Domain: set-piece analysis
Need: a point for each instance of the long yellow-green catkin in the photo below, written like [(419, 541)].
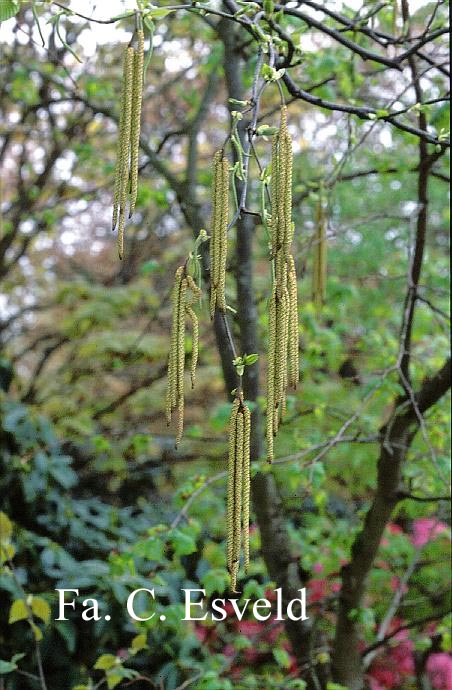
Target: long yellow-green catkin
[(287, 155), (283, 312), (125, 147), (230, 512), (176, 360), (181, 337), (214, 234), (282, 323), (195, 344), (196, 290), (171, 394), (280, 364), (282, 190), (219, 232), (274, 196), (238, 488), (137, 98), (221, 299), (271, 374), (319, 272), (181, 359), (195, 324), (323, 254), (180, 419), (246, 485), (282, 336), (293, 354), (121, 136)]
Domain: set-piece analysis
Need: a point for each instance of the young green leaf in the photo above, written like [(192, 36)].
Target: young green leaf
[(18, 611), (8, 8)]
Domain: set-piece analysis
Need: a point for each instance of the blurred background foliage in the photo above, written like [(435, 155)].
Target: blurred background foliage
[(92, 488)]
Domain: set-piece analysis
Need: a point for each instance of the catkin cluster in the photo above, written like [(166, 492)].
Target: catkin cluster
[(319, 272), (219, 232), (238, 493), (126, 171), (185, 291), (283, 364)]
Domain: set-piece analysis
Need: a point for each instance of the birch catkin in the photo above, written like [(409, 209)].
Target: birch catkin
[(246, 485), (319, 272), (293, 354), (283, 365), (119, 149), (126, 169), (270, 427), (184, 291), (238, 488), (219, 232), (171, 394), (122, 162), (137, 98), (230, 513), (195, 344)]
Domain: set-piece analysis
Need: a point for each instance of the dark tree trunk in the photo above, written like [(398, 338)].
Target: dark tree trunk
[(398, 435)]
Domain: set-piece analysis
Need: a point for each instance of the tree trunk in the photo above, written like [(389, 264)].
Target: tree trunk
[(398, 435)]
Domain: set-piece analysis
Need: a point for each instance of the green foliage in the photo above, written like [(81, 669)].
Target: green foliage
[(8, 9), (9, 666), (93, 495)]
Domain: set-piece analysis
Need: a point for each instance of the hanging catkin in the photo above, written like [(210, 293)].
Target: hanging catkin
[(270, 427), (283, 365), (195, 345), (126, 169), (246, 485), (137, 98), (219, 232), (238, 488), (182, 301), (122, 161), (294, 366), (119, 147), (319, 268)]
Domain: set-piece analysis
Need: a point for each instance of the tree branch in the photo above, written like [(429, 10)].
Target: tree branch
[(398, 435), (362, 112)]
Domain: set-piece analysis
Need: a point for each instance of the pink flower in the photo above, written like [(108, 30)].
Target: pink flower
[(391, 528), (439, 671), (394, 529), (274, 632), (375, 685), (395, 584), (228, 650), (396, 623), (249, 628), (317, 568), (397, 665), (425, 529), (402, 656), (317, 590), (201, 632), (385, 677)]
